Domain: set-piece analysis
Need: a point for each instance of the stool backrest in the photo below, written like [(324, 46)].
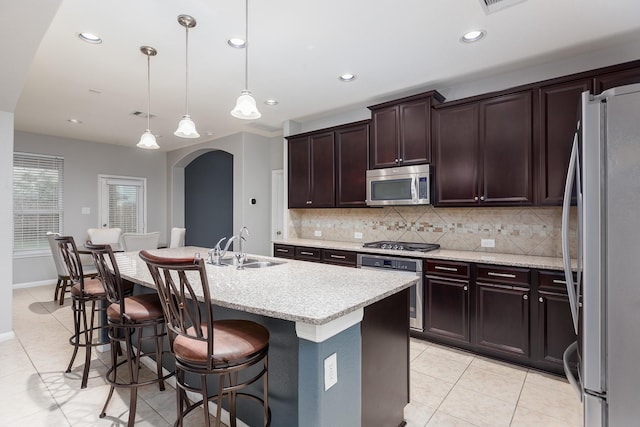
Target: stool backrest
[(180, 283), (71, 258), (108, 273)]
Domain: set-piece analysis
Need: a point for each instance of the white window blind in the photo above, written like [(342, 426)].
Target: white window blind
[(123, 207), (38, 189)]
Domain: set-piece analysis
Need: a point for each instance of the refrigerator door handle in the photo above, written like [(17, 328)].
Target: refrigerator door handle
[(566, 255), (573, 381)]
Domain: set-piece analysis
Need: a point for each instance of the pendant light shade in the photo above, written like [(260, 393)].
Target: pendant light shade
[(148, 139), (245, 105), (186, 127)]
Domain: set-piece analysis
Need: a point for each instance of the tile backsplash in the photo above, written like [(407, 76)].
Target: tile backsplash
[(517, 230)]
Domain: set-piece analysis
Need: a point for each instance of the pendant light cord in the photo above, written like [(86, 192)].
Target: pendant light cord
[(246, 47), (148, 92), (186, 60)]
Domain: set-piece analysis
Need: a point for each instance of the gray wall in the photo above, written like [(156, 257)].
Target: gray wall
[(208, 199), (253, 156), (83, 162)]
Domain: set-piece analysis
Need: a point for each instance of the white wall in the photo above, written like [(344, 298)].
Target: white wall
[(83, 162), (6, 220), (253, 159)]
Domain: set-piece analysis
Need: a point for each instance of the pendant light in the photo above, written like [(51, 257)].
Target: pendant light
[(186, 127), (245, 105), (148, 139)]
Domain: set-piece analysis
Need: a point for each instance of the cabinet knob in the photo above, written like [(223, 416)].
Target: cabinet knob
[(396, 160), (475, 198), (540, 299), (466, 288), (481, 197), (400, 160), (308, 202), (525, 297)]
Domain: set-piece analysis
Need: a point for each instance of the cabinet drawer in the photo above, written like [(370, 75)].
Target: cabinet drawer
[(553, 281), (448, 269), (333, 256), (307, 254), (511, 275), (283, 251)]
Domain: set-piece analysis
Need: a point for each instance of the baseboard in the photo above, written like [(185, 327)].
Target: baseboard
[(33, 284), (7, 336)]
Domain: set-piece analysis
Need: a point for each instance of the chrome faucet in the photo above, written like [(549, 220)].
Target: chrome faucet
[(217, 253), (240, 255)]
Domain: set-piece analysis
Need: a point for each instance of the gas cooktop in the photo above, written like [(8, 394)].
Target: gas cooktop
[(402, 246)]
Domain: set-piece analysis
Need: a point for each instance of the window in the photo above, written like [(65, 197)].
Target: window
[(38, 184), (122, 203)]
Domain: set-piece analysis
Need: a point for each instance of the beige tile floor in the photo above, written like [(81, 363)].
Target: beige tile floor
[(448, 387)]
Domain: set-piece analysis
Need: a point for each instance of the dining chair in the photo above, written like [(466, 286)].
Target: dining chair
[(83, 292), (133, 320), (203, 346), (89, 270), (140, 241), (177, 237), (102, 236)]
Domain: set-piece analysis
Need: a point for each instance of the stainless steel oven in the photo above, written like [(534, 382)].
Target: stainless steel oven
[(401, 266)]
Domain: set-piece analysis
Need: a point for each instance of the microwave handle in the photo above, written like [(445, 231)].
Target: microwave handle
[(414, 187)]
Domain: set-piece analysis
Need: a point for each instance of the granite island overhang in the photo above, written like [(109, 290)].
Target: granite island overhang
[(313, 311)]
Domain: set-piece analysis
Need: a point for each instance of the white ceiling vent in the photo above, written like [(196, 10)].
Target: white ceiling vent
[(492, 6)]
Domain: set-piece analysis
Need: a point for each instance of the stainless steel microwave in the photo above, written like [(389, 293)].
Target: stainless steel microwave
[(405, 185)]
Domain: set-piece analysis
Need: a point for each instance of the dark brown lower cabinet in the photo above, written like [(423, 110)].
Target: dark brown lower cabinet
[(555, 329), (502, 319), (446, 301)]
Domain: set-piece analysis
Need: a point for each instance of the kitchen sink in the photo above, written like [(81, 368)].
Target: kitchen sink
[(260, 264)]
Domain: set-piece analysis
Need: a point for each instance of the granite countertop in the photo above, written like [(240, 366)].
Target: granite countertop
[(550, 263), (298, 291)]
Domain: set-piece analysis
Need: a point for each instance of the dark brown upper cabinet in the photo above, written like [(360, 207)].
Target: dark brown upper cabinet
[(401, 131), (483, 152), (327, 168), (352, 145), (617, 78), (559, 115), (311, 171)]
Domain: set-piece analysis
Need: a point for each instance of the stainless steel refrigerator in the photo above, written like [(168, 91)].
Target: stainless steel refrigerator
[(604, 177)]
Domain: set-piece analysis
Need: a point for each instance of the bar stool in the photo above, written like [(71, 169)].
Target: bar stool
[(83, 292), (205, 347), (129, 317)]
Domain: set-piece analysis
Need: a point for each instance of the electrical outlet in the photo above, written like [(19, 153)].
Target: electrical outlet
[(357, 235), (330, 371), (488, 243), (317, 233)]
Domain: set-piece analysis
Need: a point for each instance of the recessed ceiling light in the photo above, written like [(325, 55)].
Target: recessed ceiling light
[(347, 77), (236, 42), (473, 36), (90, 38), (271, 102), (74, 121)]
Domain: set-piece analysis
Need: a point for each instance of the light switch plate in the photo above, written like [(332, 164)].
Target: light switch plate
[(357, 235), (330, 371), (317, 233)]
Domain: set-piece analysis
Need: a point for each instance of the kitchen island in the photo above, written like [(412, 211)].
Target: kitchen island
[(313, 311)]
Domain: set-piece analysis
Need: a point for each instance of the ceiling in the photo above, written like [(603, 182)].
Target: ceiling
[(298, 48)]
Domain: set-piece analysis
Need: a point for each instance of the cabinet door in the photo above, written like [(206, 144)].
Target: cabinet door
[(555, 327), (322, 183), (415, 132), (351, 165), (455, 144), (559, 115), (507, 149), (617, 78), (502, 319), (299, 172), (384, 142), (447, 308)]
